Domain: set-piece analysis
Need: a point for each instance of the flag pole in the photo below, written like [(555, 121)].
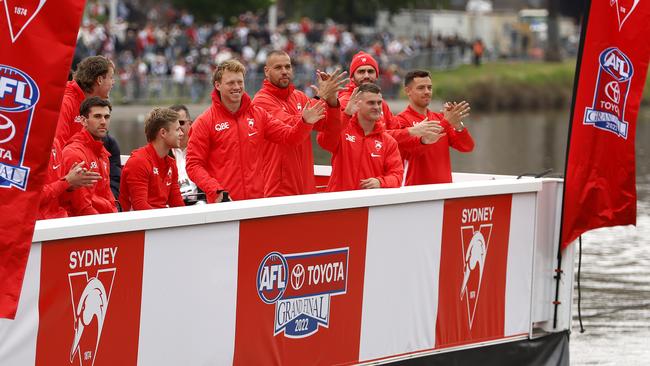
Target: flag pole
[(576, 78)]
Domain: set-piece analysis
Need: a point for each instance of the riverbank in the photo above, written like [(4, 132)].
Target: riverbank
[(511, 86), (508, 85)]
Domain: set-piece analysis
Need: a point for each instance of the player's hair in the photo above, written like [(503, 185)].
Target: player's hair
[(156, 119), (408, 79), (230, 65), (89, 69), (86, 105)]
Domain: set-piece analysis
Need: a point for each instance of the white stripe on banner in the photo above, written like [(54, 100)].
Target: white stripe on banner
[(18, 337), (400, 294), (188, 308), (520, 264)]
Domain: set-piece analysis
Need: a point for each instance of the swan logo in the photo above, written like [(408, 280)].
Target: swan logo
[(90, 299), (475, 243), (607, 112), (301, 285), (624, 9), (20, 14)]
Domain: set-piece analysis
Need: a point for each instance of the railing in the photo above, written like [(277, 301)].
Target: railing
[(151, 89)]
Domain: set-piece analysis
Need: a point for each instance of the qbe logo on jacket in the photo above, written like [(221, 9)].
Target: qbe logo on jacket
[(610, 96), (18, 97), (301, 285)]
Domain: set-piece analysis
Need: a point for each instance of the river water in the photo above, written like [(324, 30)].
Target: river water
[(616, 261)]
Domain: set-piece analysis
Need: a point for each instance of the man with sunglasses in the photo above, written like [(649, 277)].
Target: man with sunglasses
[(189, 190)]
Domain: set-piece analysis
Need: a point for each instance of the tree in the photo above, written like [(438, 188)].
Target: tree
[(553, 44)]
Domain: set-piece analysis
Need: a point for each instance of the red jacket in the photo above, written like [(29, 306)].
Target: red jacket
[(289, 170), (225, 149), (50, 206), (402, 136), (431, 164), (98, 198), (357, 156), (69, 122), (149, 181)]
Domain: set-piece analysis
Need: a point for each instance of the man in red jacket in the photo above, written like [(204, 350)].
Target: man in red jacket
[(150, 176), (93, 78), (364, 70), (51, 206), (431, 163), (224, 153), (364, 155), (87, 149), (289, 170)]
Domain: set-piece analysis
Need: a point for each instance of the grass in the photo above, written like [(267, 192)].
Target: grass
[(508, 85), (512, 85)]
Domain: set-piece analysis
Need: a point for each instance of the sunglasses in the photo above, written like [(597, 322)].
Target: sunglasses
[(182, 122)]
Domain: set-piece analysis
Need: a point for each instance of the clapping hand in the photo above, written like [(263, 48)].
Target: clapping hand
[(78, 176), (329, 85), (353, 103), (455, 113), (312, 114)]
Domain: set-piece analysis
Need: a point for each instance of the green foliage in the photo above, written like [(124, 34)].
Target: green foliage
[(508, 85), (210, 10)]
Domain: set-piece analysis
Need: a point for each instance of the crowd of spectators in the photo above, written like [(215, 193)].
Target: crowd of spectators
[(165, 50)]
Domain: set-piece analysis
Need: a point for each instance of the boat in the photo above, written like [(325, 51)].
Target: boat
[(462, 272)]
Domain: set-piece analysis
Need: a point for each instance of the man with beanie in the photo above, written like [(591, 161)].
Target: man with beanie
[(288, 169), (363, 70)]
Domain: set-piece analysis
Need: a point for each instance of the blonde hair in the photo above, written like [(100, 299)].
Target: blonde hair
[(156, 119), (229, 65)]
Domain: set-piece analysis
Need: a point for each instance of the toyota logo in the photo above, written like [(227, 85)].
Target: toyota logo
[(7, 129), (613, 91), (297, 276)]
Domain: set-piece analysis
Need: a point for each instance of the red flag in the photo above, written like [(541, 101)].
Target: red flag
[(37, 40), (600, 188)]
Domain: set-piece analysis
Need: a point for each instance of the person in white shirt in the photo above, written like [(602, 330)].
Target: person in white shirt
[(189, 190)]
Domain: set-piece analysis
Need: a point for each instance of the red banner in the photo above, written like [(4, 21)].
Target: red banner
[(600, 188), (37, 39), (472, 289), (89, 303), (300, 288)]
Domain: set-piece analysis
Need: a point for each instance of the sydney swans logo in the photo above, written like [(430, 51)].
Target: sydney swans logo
[(20, 14), (90, 299), (475, 242), (624, 9)]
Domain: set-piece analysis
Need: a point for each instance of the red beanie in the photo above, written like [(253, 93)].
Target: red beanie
[(363, 59)]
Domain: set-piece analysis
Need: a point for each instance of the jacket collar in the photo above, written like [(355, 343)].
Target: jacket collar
[(377, 130), (85, 138), (74, 90), (416, 113), (280, 93), (151, 151), (216, 103)]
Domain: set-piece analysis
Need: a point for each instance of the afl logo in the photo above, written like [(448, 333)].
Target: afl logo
[(616, 63), (7, 129), (18, 91), (272, 277)]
